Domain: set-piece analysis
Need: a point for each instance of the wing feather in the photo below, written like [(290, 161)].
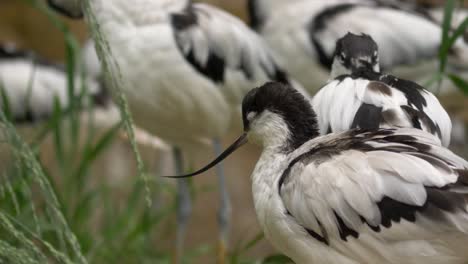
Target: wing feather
[(409, 177), (204, 31), (372, 100), (391, 28)]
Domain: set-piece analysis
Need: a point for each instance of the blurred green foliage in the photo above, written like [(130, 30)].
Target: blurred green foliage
[(449, 36), (67, 216)]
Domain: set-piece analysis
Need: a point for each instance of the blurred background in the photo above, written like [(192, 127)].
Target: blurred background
[(114, 173)]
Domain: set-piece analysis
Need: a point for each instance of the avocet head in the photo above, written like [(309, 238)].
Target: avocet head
[(274, 115), (354, 52), (277, 115), (69, 8)]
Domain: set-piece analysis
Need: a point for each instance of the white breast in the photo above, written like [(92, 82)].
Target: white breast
[(279, 228), (166, 94)]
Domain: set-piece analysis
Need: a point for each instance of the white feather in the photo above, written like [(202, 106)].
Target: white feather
[(336, 105), (163, 85), (350, 184)]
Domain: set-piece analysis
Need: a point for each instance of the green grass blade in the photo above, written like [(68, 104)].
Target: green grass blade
[(55, 253), (146, 224), (71, 50), (27, 191), (84, 207), (20, 237), (114, 77), (6, 107), (15, 255), (277, 259), (239, 249), (446, 26), (459, 31), (49, 126), (57, 129), (28, 159), (91, 153), (459, 82), (12, 194), (254, 241)]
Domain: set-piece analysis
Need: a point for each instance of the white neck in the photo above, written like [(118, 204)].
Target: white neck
[(270, 131), (265, 179), (338, 69)]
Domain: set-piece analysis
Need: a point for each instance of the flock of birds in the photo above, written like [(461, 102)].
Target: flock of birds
[(355, 166)]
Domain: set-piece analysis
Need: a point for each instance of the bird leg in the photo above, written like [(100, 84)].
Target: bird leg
[(224, 211), (184, 207)]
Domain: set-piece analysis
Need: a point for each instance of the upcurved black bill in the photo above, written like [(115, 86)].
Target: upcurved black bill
[(237, 144)]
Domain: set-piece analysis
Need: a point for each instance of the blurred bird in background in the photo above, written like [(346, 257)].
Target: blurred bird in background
[(304, 33), (188, 66), (93, 69), (31, 85), (360, 96)]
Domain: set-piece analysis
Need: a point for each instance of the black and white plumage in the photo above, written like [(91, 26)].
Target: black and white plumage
[(386, 196), (221, 47), (187, 66), (304, 33), (93, 69), (197, 45), (31, 84), (360, 196), (358, 96), (354, 52)]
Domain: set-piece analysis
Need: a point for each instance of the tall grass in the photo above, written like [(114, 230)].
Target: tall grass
[(114, 77), (449, 36), (64, 214), (49, 217)]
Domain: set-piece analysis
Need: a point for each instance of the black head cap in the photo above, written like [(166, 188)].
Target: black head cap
[(357, 47), (286, 101)]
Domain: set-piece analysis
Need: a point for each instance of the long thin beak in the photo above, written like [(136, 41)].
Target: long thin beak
[(237, 144)]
